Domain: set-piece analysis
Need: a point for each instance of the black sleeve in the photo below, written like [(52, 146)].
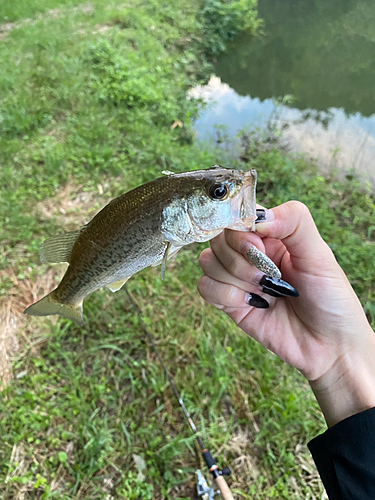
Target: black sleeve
[(345, 457)]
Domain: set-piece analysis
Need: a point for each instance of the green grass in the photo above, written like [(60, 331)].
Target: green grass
[(87, 100)]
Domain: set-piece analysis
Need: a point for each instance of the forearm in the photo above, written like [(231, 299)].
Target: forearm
[(349, 386)]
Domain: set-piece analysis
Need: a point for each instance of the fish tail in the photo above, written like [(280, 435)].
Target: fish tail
[(48, 306)]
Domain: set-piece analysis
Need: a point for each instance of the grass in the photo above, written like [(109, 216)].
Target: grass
[(88, 97)]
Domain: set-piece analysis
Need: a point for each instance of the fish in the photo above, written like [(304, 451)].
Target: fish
[(145, 227)]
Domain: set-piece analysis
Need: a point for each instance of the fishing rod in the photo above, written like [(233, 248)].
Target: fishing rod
[(204, 491)]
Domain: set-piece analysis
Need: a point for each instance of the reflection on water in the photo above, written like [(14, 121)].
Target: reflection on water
[(322, 53), (345, 143)]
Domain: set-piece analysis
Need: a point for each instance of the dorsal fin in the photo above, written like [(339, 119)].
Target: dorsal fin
[(58, 248)]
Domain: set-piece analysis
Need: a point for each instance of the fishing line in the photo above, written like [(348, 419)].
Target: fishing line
[(209, 460)]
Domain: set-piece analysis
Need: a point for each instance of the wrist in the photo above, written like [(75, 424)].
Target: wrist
[(349, 385)]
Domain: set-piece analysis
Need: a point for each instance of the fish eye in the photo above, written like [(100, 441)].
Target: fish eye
[(218, 191)]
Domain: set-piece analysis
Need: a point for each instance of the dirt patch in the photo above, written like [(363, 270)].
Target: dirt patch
[(101, 28), (5, 28), (70, 208), (8, 340), (246, 465), (73, 207), (17, 335), (240, 445)]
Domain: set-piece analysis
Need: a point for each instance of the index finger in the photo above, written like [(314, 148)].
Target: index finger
[(291, 224)]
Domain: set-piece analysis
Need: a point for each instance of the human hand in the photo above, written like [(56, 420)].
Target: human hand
[(324, 332)]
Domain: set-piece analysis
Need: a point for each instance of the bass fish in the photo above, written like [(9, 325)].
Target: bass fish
[(144, 227)]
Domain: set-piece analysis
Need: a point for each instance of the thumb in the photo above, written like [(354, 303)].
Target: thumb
[(293, 224)]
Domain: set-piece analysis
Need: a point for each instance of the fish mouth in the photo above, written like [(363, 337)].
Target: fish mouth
[(246, 203)]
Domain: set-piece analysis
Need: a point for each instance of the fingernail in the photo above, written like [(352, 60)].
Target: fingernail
[(261, 215), (262, 262), (264, 215), (272, 293), (256, 301), (282, 288)]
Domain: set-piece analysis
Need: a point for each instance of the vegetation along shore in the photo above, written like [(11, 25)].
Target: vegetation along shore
[(93, 103)]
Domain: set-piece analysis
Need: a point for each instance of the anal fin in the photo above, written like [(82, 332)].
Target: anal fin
[(116, 285)]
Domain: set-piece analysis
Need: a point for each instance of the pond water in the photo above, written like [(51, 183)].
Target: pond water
[(320, 52)]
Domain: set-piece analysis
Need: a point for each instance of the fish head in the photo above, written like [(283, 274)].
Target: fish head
[(242, 200), (212, 200)]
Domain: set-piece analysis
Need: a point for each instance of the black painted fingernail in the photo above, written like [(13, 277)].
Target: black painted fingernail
[(281, 287), (257, 301), (261, 215), (264, 215), (272, 293)]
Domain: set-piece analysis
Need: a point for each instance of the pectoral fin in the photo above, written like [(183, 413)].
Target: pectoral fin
[(169, 253), (164, 261), (58, 248), (114, 287)]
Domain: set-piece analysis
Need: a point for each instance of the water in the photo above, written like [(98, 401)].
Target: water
[(323, 54)]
